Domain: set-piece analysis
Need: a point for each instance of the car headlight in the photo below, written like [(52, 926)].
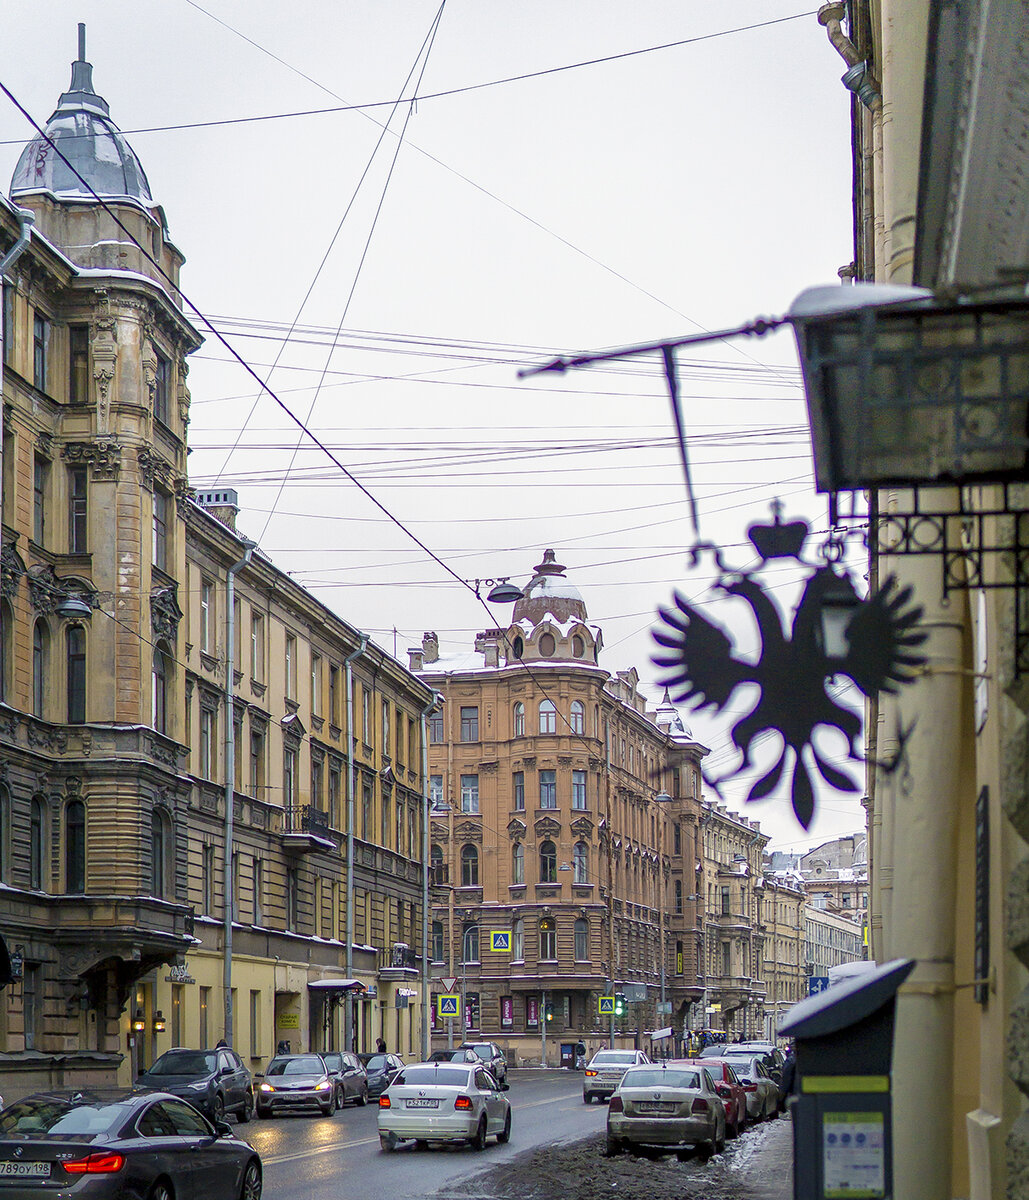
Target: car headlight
[(322, 1085), (198, 1087), (266, 1087)]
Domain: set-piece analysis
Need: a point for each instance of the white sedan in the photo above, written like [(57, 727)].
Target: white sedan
[(672, 1105), (443, 1102)]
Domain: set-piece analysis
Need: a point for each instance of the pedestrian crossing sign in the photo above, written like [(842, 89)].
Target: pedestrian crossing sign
[(500, 941), (450, 1006), (606, 1006)]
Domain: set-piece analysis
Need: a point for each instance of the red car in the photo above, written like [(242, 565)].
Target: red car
[(731, 1091)]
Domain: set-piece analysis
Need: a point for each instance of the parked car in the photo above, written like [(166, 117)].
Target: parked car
[(761, 1089), (491, 1054), (295, 1081), (215, 1081), (670, 1104), (604, 1072), (350, 1077), (728, 1086), (458, 1056), (380, 1069), (444, 1102), (772, 1058), (110, 1143)]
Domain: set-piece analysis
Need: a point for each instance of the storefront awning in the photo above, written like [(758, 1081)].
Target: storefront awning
[(335, 985)]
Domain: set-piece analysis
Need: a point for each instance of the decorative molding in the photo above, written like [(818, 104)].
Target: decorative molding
[(165, 613), (529, 761), (489, 768), (103, 457), (44, 588), (516, 828), (546, 827), (12, 568), (583, 827)]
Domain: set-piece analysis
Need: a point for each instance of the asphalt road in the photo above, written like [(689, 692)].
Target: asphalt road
[(318, 1158)]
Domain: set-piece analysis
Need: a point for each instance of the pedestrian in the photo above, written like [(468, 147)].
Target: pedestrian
[(221, 1044), (789, 1079), (380, 1045)]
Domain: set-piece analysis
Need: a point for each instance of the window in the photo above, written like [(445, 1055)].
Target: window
[(7, 333), (335, 790), (317, 778), (292, 899), (435, 728), (548, 939), (581, 862), (40, 350), (40, 488), (548, 717), (367, 805), (158, 854), (385, 727), (366, 715), (518, 781), (75, 639), (256, 645), (291, 666), (578, 717), (578, 646), (316, 684), (206, 615), (582, 938), (519, 719), (518, 939), (256, 762), (547, 645), (9, 456), (161, 505), (678, 896), (469, 724), (578, 789), (75, 847), (517, 863), (37, 836), (548, 789), (470, 943), (677, 838), (162, 388), (334, 694), (469, 866), (469, 793), (384, 815), (258, 891), (208, 722), (548, 862), (436, 791), (78, 513), (5, 834), (436, 942), (726, 910), (289, 777), (159, 698), (40, 664)]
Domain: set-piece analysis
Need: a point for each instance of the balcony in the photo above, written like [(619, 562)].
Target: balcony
[(398, 962), (305, 829), (439, 876)]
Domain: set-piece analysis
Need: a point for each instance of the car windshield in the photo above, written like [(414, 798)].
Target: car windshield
[(309, 1064), (484, 1052), (617, 1057), (651, 1077), (184, 1062), (333, 1061), (441, 1076), (743, 1066), (376, 1063), (55, 1117)]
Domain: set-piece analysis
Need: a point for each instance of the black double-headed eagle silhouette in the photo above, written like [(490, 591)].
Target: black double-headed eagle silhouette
[(792, 672)]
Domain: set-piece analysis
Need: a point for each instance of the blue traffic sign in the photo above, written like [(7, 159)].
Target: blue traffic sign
[(816, 984)]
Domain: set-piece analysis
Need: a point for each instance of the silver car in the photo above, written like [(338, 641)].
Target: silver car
[(296, 1081), (761, 1089), (670, 1104), (605, 1069), (443, 1102)]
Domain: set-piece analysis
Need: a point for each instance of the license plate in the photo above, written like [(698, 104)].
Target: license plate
[(29, 1170), (655, 1106), (422, 1103)]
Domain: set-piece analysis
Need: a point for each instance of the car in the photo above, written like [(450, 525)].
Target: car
[(762, 1091), (460, 1056), (491, 1054), (295, 1081), (380, 1069), (671, 1104), (215, 1081), (350, 1077), (604, 1072), (114, 1143), (728, 1086), (772, 1058), (444, 1102)]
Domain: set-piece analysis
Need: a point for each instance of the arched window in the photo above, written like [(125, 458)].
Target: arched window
[(469, 866), (578, 646), (518, 647), (578, 717), (436, 947), (437, 874), (40, 663), (548, 862), (519, 719), (548, 717), (75, 847), (161, 676), (517, 863), (582, 939), (518, 940), (160, 854), (548, 938), (470, 943), (75, 641), (6, 648), (547, 645), (581, 862), (37, 842)]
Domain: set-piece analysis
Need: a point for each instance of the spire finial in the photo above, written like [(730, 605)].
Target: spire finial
[(82, 41)]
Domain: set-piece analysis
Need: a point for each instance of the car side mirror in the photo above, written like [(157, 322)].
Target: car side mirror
[(723, 1090), (505, 1087), (223, 1129)]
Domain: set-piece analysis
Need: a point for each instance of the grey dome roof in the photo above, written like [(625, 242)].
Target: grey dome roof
[(549, 593), (81, 126)]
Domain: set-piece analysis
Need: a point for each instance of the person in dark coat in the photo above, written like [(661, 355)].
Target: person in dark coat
[(380, 1045), (789, 1079)]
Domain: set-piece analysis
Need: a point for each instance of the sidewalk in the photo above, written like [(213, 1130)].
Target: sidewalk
[(768, 1175)]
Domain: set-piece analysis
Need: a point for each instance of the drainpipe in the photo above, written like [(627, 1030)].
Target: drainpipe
[(25, 221), (230, 769), (348, 1012), (426, 991)]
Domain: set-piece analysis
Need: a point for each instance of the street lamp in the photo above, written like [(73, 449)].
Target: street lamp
[(502, 592)]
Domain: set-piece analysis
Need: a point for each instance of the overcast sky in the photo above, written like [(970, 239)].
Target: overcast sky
[(557, 198)]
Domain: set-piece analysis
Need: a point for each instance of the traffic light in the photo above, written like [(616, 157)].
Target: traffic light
[(619, 1004), (548, 1010)]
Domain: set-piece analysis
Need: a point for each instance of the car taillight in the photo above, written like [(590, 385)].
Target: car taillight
[(591, 1072), (699, 1105), (95, 1164), (384, 1101), (463, 1102), (615, 1105), (749, 1087)]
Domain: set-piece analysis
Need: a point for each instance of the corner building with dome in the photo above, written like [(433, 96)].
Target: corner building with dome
[(545, 829)]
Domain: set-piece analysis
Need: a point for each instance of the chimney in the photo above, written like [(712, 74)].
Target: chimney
[(430, 647), (488, 645), (414, 658), (221, 503)]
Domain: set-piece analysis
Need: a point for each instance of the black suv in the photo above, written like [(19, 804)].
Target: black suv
[(215, 1081), (492, 1056)]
